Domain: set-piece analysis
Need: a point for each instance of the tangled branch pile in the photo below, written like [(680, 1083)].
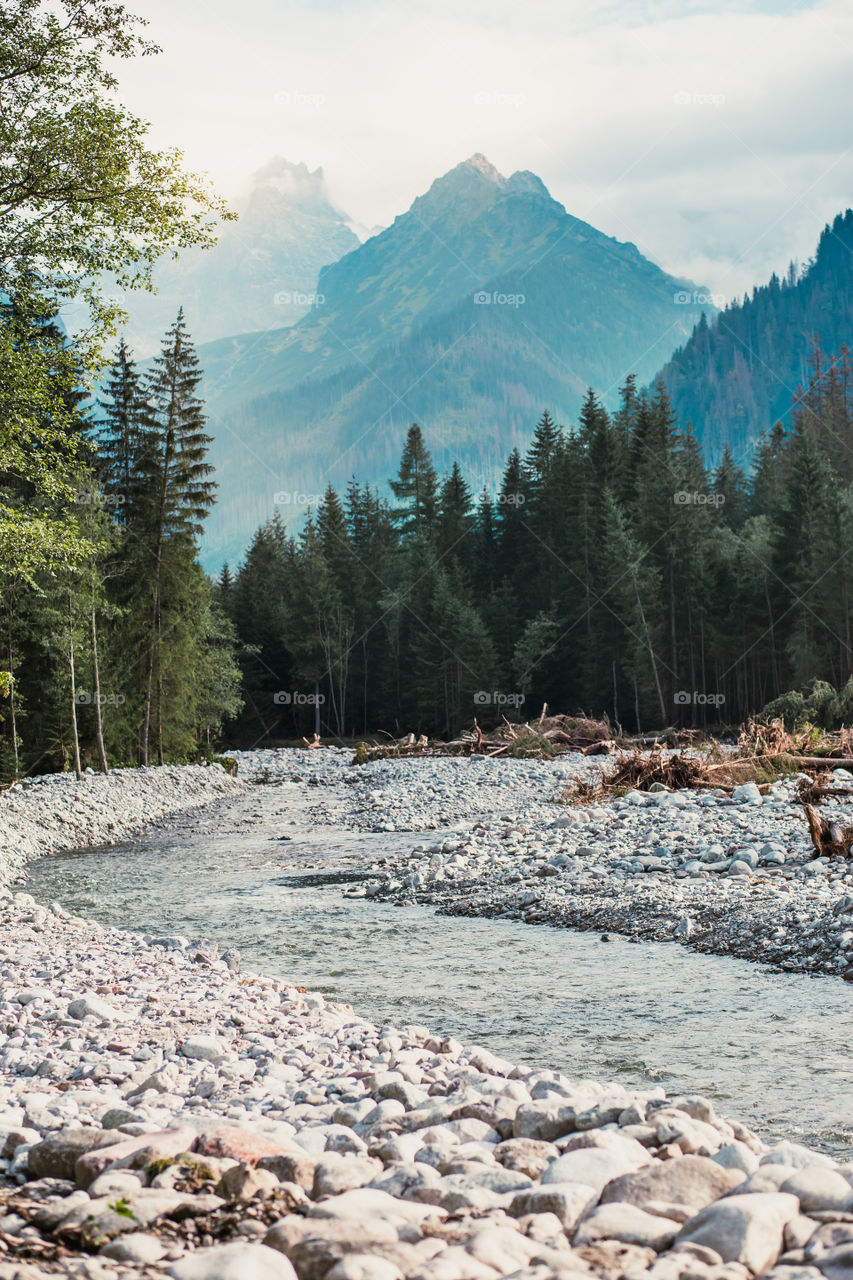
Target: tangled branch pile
[(538, 739), (656, 770)]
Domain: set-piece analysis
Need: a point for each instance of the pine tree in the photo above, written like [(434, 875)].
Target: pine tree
[(184, 492), (416, 487)]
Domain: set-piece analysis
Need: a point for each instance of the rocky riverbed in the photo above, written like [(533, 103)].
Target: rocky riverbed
[(163, 1113), (729, 874)]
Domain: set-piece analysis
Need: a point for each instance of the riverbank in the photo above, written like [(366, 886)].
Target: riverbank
[(164, 1113), (55, 812), (723, 874)]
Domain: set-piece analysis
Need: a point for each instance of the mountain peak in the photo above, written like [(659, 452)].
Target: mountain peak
[(480, 164), (293, 180), (472, 186)]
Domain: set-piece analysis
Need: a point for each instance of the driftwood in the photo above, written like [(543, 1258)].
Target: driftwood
[(829, 839)]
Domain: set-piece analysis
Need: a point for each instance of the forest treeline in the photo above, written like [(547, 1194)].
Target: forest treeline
[(613, 572), (121, 653)]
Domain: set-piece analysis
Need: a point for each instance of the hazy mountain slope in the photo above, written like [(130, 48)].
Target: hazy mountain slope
[(405, 333), (263, 271), (736, 376)]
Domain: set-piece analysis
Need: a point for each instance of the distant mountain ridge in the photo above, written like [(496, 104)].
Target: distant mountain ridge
[(737, 375), (263, 271), (482, 304)]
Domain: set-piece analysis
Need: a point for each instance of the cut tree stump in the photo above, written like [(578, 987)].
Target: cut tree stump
[(829, 839)]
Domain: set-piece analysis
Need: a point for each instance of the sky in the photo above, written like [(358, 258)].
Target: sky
[(716, 139)]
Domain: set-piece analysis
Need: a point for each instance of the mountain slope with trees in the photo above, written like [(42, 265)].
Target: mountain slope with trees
[(739, 373)]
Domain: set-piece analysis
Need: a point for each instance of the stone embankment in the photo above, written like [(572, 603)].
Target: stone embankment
[(55, 812)]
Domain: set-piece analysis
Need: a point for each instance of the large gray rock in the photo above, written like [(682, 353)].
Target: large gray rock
[(692, 1181), (336, 1172), (837, 1263), (236, 1261), (818, 1188), (316, 1245), (629, 1224), (366, 1203), (747, 1229), (56, 1157), (544, 1120), (204, 1048), (137, 1246), (795, 1155), (92, 1006), (566, 1200), (594, 1167)]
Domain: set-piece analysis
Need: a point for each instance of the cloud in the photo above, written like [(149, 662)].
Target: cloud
[(715, 139)]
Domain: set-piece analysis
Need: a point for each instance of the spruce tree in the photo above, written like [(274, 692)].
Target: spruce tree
[(184, 493), (416, 486)]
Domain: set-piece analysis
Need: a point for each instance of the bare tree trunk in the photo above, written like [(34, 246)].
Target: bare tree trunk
[(96, 695), (317, 707), (12, 710), (160, 690), (74, 735), (652, 656), (158, 564)]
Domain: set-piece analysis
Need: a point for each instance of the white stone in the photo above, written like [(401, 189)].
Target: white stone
[(236, 1261)]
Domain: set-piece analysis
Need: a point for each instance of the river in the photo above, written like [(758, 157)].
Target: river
[(773, 1050)]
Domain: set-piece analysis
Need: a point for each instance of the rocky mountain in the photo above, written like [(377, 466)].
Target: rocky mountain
[(483, 303), (737, 374), (262, 273)]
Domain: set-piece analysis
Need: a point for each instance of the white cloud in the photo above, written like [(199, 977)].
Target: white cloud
[(715, 140)]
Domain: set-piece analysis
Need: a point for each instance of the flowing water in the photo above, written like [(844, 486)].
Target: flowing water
[(771, 1049)]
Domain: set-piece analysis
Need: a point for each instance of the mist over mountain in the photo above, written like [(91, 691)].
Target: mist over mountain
[(483, 303), (737, 375), (262, 273)]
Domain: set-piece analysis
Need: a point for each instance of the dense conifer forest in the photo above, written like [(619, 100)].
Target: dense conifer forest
[(613, 572)]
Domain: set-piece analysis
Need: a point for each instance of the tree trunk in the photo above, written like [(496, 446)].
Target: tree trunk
[(652, 656), (160, 689), (71, 665), (96, 695), (12, 712), (158, 563)]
